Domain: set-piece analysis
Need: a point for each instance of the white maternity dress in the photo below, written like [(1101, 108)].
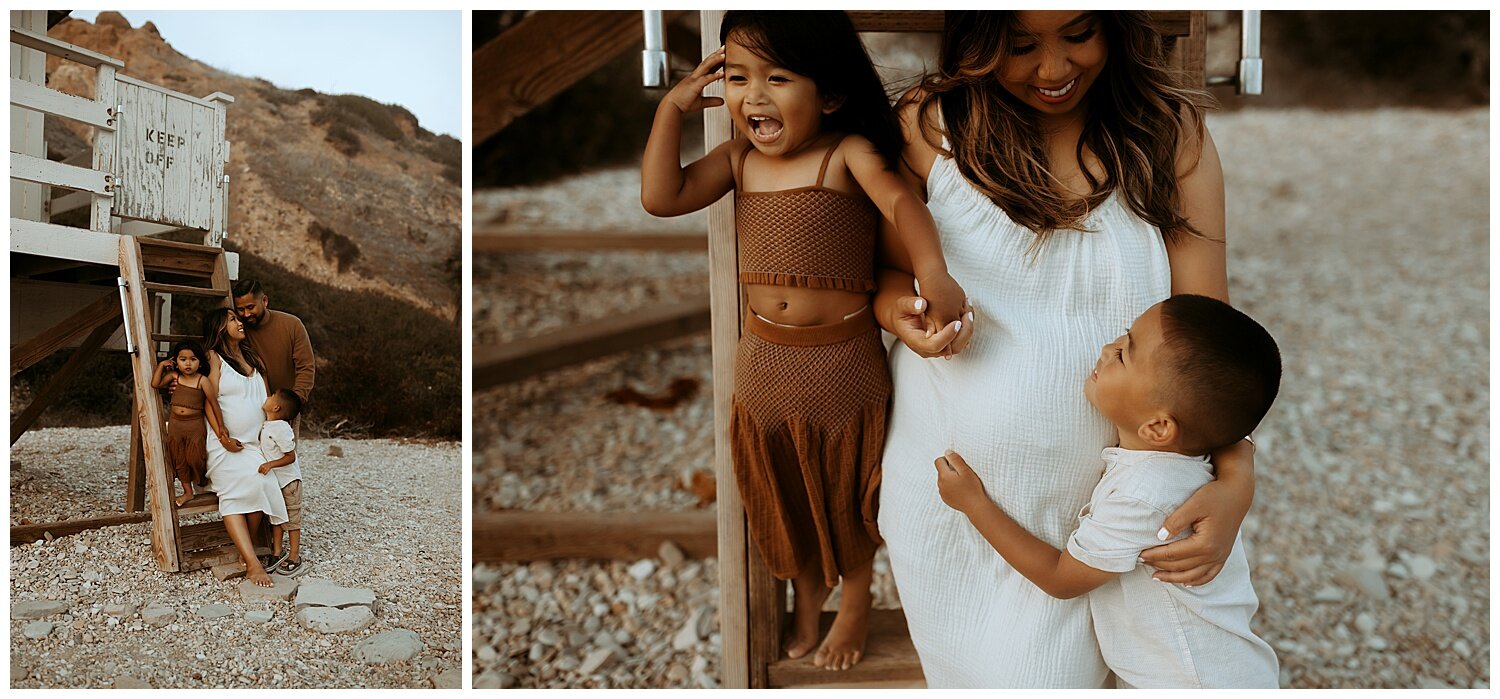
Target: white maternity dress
[(236, 476), (1012, 405)]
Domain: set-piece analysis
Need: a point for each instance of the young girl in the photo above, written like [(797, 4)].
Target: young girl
[(813, 171), (187, 454)]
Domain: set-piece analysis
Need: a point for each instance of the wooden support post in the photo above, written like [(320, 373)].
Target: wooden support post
[(104, 147), (164, 540), (56, 337), (135, 465), (724, 299), (60, 380), (27, 533)]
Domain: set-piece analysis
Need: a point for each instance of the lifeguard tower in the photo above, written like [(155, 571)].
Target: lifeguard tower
[(155, 166)]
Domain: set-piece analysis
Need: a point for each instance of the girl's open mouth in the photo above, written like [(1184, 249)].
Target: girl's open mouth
[(764, 129), (1057, 96)]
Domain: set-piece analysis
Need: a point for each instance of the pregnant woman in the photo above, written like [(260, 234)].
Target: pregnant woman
[(1073, 186), (238, 390)]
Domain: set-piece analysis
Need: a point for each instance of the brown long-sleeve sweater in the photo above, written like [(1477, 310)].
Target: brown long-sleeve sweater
[(281, 341)]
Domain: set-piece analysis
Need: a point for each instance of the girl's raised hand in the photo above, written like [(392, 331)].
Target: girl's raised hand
[(687, 96)]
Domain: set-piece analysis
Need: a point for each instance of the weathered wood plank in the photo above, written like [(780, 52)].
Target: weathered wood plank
[(135, 466), (164, 531), (161, 288), (27, 533), (889, 657), (60, 380), (517, 360), (64, 242), (539, 536), (62, 49), (33, 169), (202, 502), (42, 345), (541, 56), (40, 99), (502, 239), (101, 209)]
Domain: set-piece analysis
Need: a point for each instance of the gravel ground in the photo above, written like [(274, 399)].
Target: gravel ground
[(384, 516), (1359, 239)]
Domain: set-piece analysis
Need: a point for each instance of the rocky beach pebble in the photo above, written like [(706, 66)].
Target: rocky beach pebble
[(1359, 239), (381, 537)]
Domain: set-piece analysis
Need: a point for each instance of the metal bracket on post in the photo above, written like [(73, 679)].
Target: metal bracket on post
[(125, 311), (655, 67), (1250, 73)]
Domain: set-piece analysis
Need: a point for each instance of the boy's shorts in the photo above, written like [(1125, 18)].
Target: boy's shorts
[(292, 494)]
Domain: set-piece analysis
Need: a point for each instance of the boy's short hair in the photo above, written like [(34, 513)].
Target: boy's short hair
[(1220, 371), (291, 402), (247, 286)]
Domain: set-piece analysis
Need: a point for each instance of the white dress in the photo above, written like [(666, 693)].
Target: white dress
[(1012, 405), (236, 476)]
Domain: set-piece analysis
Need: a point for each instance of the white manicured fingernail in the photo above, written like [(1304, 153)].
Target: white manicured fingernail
[(958, 325), (1188, 586), (1162, 534), (921, 304), (971, 316)]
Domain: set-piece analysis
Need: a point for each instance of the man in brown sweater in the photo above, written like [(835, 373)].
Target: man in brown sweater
[(281, 341), (278, 337)]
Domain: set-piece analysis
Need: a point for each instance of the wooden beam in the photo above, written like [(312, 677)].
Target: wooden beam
[(135, 465), (542, 55), (52, 339), (60, 380), (62, 49), (27, 533), (517, 360), (42, 171), (64, 242), (164, 530), (540, 536), (47, 101), (502, 239), (889, 657)]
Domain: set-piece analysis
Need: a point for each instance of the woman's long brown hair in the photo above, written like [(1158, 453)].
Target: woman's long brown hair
[(1138, 115), (216, 338)]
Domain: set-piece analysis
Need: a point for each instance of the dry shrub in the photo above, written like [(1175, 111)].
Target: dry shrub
[(336, 246), (361, 114), (344, 140)]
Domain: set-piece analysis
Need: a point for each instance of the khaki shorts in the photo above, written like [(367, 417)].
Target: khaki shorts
[(292, 494)]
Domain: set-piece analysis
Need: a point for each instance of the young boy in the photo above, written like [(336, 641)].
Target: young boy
[(1191, 375), (279, 446)]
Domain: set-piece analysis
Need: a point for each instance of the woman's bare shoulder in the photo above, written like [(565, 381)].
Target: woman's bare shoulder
[(920, 120)]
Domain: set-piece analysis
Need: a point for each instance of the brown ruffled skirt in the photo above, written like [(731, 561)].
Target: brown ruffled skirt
[(187, 447), (807, 429)]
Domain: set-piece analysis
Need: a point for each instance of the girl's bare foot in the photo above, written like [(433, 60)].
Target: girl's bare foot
[(845, 643), (807, 607), (182, 499)]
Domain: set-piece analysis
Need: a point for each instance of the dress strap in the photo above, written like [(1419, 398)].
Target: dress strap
[(827, 157), (744, 154)]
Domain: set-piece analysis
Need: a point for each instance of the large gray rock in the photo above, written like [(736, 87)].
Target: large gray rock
[(128, 682), (316, 592), (120, 610), (157, 614), (37, 609), (448, 679), (389, 647), (214, 611), (259, 616), (37, 630), (282, 588), (335, 620), (225, 571)]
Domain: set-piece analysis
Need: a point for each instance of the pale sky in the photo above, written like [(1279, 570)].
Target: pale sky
[(413, 59)]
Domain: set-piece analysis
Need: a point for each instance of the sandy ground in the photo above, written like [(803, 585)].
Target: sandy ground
[(1359, 239), (385, 516)]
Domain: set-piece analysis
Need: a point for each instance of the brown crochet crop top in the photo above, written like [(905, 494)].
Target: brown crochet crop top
[(812, 237)]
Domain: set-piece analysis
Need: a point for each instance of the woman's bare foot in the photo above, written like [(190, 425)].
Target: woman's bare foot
[(257, 575), (845, 643), (807, 607)]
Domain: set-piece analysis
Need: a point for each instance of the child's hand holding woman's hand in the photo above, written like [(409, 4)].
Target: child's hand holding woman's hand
[(959, 486), (265, 468), (687, 96), (231, 444), (946, 303)]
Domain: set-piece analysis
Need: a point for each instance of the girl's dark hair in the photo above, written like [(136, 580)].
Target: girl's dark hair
[(1139, 114), (197, 350), (824, 46), (216, 339)]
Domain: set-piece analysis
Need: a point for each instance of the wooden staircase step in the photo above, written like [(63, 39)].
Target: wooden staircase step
[(186, 259), (169, 337), (890, 658), (200, 503), (185, 290), (152, 246), (205, 535)]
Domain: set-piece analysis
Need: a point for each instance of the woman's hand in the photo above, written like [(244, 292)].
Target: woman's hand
[(910, 327), (687, 96), (231, 444), (1213, 514)]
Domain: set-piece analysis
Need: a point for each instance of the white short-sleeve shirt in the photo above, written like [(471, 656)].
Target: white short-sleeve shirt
[(276, 439), (1164, 635)]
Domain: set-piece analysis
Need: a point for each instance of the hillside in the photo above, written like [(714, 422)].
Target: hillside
[(337, 188)]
